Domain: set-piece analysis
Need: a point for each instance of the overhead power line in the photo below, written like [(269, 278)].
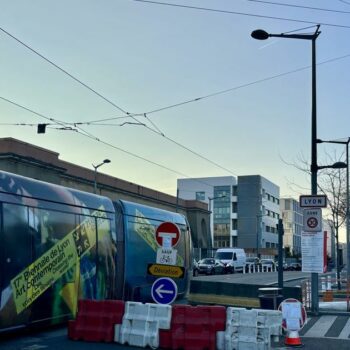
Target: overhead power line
[(64, 71), (95, 138), (220, 92), (78, 125), (298, 6), (241, 13)]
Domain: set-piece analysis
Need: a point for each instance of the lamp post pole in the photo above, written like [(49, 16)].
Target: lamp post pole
[(262, 35), (96, 167)]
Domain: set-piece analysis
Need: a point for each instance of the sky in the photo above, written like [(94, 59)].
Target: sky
[(138, 57)]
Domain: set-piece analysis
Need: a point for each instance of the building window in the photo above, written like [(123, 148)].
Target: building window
[(234, 190), (200, 196), (234, 207), (234, 224)]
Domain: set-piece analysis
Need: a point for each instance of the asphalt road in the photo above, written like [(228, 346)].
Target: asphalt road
[(292, 278), (57, 340)]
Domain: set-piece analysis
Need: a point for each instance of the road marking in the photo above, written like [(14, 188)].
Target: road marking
[(345, 333), (320, 328), (34, 347)]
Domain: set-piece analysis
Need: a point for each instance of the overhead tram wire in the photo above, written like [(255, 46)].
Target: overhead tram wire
[(220, 92), (240, 13), (95, 138), (64, 71), (299, 6), (197, 99), (157, 130), (133, 115)]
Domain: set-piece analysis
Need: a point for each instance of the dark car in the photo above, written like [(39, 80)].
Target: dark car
[(294, 267), (211, 266), (252, 264)]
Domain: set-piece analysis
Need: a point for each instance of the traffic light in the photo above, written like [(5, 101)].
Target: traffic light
[(41, 128)]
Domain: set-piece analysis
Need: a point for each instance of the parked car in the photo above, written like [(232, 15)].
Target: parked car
[(252, 263), (294, 267), (195, 268), (211, 266)]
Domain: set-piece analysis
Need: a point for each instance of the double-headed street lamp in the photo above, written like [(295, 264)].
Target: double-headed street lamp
[(263, 35), (340, 165), (96, 167)]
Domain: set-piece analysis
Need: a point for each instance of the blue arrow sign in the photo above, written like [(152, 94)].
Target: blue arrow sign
[(164, 290)]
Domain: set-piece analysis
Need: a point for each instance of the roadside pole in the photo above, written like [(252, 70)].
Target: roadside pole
[(280, 253)]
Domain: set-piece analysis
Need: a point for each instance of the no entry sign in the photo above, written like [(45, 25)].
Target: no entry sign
[(167, 235)]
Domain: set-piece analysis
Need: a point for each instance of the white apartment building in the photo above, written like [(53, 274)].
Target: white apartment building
[(220, 195), (292, 215)]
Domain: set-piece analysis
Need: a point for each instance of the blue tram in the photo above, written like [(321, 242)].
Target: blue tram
[(58, 245)]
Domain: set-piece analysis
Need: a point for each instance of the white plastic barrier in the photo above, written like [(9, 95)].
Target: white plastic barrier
[(249, 329), (141, 324), (271, 319)]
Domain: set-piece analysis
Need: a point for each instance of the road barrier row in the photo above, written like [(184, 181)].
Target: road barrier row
[(258, 269), (175, 327), (330, 290)]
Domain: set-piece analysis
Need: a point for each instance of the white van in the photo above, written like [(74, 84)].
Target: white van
[(233, 258)]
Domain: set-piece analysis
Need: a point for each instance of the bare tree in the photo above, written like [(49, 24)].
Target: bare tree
[(331, 183)]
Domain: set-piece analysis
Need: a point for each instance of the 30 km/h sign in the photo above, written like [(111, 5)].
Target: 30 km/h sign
[(312, 220), (167, 234)]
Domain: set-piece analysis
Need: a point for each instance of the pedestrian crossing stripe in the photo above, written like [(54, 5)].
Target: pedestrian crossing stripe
[(327, 326)]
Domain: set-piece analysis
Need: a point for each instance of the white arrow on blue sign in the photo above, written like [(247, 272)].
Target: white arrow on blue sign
[(164, 290)]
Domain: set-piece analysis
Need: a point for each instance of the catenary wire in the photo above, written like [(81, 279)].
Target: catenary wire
[(241, 13), (243, 85), (157, 131), (95, 138), (299, 6), (133, 116)]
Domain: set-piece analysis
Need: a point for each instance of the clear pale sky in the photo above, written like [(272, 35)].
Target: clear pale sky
[(144, 56)]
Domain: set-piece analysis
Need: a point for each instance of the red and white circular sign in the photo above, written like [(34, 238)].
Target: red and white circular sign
[(167, 234), (312, 222), (293, 314)]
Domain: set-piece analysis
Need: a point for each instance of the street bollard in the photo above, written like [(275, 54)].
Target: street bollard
[(329, 283)]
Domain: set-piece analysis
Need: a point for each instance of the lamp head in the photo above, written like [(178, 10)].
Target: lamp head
[(339, 165), (259, 34), (106, 161)]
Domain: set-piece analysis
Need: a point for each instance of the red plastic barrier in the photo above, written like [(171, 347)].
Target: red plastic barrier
[(96, 319), (193, 328)]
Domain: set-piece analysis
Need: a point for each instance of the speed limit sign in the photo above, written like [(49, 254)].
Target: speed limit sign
[(312, 220)]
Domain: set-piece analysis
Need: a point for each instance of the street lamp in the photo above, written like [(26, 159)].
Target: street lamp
[(210, 199), (96, 167), (263, 35), (340, 165)]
